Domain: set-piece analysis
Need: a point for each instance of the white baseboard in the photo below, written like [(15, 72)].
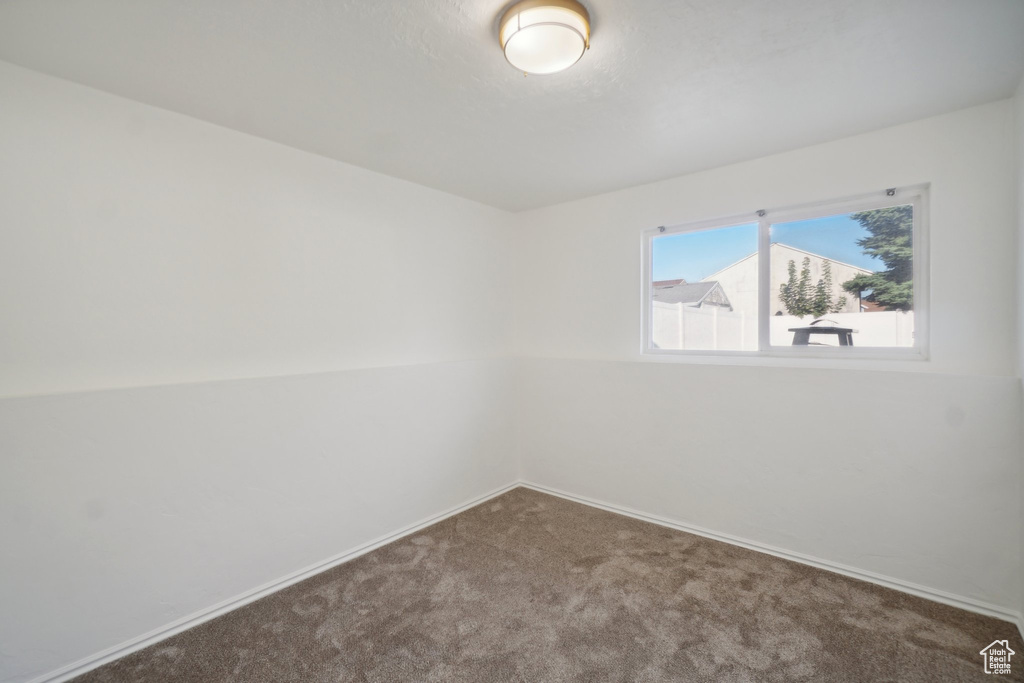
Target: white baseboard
[(99, 659), (195, 619), (968, 604)]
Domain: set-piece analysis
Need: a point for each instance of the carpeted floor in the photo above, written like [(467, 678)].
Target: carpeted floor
[(529, 587)]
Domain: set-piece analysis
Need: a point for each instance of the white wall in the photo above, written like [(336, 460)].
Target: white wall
[(1018, 102), (142, 247), (126, 510), (1019, 127), (924, 489), (912, 476), (138, 248), (583, 257)]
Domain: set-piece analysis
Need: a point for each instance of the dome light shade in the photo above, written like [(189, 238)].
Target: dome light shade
[(545, 36)]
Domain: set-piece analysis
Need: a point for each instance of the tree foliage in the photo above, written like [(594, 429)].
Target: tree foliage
[(802, 298), (891, 239)]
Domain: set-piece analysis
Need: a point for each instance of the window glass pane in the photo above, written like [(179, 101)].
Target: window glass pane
[(704, 290), (844, 280)]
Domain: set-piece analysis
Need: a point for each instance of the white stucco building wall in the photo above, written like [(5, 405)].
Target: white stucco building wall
[(740, 279)]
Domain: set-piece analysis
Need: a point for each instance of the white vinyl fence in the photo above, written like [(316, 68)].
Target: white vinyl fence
[(678, 326), (878, 328)]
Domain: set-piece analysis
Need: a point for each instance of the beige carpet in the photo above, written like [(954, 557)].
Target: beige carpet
[(529, 587)]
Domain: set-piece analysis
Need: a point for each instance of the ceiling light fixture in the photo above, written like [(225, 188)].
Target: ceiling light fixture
[(545, 36)]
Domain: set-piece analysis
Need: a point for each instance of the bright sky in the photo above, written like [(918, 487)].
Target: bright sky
[(695, 255)]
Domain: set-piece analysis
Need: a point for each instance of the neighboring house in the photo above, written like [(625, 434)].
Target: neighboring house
[(694, 294), (739, 280)]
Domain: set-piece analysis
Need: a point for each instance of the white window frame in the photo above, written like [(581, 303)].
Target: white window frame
[(916, 195)]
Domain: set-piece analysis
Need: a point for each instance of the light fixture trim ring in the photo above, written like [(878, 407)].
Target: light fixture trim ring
[(515, 12)]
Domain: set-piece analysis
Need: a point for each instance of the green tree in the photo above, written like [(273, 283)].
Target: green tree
[(891, 240), (802, 298)]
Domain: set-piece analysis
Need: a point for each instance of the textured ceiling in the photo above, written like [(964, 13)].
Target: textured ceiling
[(418, 89)]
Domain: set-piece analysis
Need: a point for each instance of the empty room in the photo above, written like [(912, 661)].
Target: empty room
[(519, 341)]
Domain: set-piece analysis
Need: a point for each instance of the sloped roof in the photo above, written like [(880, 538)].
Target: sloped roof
[(685, 293), (780, 245)]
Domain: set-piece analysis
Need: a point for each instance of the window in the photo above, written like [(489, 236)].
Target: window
[(840, 279)]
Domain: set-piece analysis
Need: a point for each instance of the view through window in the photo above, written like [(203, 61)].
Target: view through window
[(835, 278), (704, 291)]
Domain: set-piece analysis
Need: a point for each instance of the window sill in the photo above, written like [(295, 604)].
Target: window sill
[(900, 360)]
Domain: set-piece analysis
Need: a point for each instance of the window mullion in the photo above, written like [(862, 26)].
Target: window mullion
[(763, 283)]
